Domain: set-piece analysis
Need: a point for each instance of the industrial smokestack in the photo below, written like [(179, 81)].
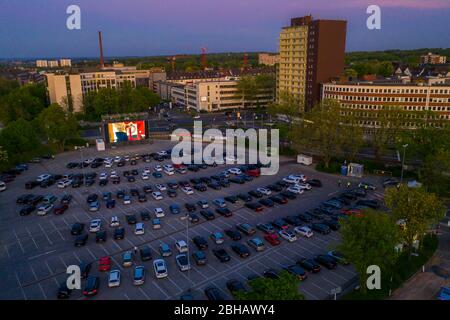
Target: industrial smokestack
[(100, 43)]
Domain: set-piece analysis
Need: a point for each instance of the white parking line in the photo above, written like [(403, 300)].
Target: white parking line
[(162, 291), (145, 294), (53, 224), (42, 290), (29, 233), (7, 251), (20, 285), (45, 233), (34, 273), (18, 241)]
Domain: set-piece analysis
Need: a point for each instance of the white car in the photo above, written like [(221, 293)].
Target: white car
[(113, 174), (158, 168), (114, 278), (159, 265), (235, 171), (108, 164), (169, 172), (157, 195), (230, 159), (181, 246), (187, 190), (291, 179), (95, 225), (2, 186), (43, 177), (146, 170), (64, 183), (115, 222), (288, 235), (139, 229), (144, 176), (183, 262), (117, 159), (162, 153), (103, 176), (264, 191), (295, 189), (168, 167), (160, 187), (126, 200), (159, 212), (302, 177), (304, 186), (43, 210), (304, 231)]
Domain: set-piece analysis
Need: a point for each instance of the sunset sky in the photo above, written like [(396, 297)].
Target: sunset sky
[(37, 28)]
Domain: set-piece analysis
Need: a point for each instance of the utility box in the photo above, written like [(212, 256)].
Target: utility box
[(304, 159), (100, 143), (355, 170)]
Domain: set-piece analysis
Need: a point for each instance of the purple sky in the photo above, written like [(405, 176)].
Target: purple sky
[(37, 28)]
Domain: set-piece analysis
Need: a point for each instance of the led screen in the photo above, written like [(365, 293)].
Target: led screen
[(126, 131)]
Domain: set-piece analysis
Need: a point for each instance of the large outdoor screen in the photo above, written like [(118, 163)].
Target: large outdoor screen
[(126, 131)]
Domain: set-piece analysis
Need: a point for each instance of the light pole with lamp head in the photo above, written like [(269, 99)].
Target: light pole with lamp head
[(403, 161)]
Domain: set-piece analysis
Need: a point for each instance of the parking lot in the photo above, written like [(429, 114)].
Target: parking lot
[(36, 250)]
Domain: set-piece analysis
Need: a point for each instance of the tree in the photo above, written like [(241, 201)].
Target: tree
[(265, 86), (19, 138), (284, 288), (25, 102), (319, 130), (246, 90), (288, 105), (352, 73), (435, 170), (58, 126), (417, 208), (351, 136), (385, 125), (367, 240), (3, 155)]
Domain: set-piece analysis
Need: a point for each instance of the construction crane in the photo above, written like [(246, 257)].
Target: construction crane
[(245, 64), (203, 58)]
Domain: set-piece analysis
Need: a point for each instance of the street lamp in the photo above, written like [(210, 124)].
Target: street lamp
[(403, 161)]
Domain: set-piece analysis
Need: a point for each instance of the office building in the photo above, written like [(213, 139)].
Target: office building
[(215, 95), (66, 90), (365, 99), (268, 59), (311, 52), (41, 63), (65, 62), (431, 58)]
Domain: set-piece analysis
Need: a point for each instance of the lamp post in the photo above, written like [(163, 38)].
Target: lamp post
[(403, 162)]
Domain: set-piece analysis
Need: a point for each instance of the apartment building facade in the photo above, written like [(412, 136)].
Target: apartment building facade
[(63, 87), (268, 59), (65, 90), (215, 95), (366, 99), (311, 52), (431, 58)]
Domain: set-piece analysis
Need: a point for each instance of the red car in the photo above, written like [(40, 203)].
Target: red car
[(178, 165), (352, 212), (273, 239), (253, 172), (104, 263), (60, 209)]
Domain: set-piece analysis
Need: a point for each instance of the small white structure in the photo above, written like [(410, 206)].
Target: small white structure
[(414, 184), (100, 144), (304, 159), (355, 170)]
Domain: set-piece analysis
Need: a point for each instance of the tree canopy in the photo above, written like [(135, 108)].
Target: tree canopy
[(417, 208), (369, 239), (284, 288)]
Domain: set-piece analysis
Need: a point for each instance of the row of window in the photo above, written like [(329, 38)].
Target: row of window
[(387, 99), (406, 108), (388, 90)]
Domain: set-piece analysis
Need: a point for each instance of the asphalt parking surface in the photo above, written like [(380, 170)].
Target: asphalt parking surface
[(36, 250)]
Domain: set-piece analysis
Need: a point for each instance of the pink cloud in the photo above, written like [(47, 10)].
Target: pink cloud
[(413, 4)]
